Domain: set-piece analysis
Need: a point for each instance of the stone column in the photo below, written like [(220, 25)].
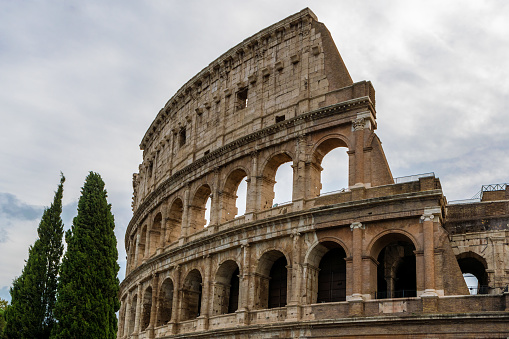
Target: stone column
[(139, 304), (214, 203), (203, 319), (428, 227), (251, 203), (299, 172), (154, 305), (147, 238), (244, 291), (356, 228), (164, 215), (137, 250), (358, 132), (175, 302), (185, 214), (294, 311), (356, 301)]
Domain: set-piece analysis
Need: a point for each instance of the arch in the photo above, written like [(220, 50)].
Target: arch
[(396, 273), (197, 209), (229, 194), (269, 177), (382, 239), (326, 272), (191, 295), (174, 221), (132, 314), (473, 263), (142, 245), (322, 148), (226, 288), (155, 234), (271, 280), (146, 307), (165, 304)]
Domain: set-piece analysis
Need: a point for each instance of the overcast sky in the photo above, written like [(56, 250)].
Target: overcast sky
[(80, 84)]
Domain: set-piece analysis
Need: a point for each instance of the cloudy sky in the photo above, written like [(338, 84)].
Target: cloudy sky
[(81, 82)]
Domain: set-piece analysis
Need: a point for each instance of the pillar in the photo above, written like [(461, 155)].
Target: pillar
[(185, 214), (358, 132), (357, 268), (428, 226), (154, 305), (139, 304), (175, 302)]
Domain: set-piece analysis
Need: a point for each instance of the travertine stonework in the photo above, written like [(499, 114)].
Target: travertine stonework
[(373, 260)]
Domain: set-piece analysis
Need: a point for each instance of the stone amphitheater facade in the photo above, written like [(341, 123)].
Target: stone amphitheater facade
[(376, 259)]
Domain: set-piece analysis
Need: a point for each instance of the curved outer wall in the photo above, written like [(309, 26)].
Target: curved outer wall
[(282, 95)]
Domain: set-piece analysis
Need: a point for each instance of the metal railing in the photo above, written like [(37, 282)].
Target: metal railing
[(415, 177), (334, 192)]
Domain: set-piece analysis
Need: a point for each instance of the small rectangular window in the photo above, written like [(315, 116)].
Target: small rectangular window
[(206, 152), (280, 118), (182, 137), (241, 102)]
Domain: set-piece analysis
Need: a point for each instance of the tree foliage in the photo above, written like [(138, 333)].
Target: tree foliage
[(3, 307), (88, 284), (33, 293)]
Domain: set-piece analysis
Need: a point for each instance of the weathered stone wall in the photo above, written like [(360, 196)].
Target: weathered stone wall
[(281, 96)]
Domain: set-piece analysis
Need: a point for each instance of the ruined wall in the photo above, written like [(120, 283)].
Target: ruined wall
[(281, 96)]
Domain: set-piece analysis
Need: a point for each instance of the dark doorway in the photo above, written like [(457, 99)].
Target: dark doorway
[(277, 283), (332, 276)]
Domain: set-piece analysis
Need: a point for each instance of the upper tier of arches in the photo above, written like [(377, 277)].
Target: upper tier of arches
[(281, 73)]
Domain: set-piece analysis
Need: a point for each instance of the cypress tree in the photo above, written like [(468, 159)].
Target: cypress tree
[(33, 293), (88, 285)]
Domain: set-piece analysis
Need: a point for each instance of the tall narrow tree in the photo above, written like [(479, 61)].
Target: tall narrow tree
[(33, 293), (88, 285)]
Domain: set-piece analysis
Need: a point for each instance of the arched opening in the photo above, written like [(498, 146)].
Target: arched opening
[(146, 308), (226, 288), (174, 221), (396, 271), (474, 264), (330, 171), (200, 205), (132, 314), (191, 295), (141, 245), (231, 195), (278, 170), (325, 273), (165, 302), (332, 275), (155, 234), (278, 284), (334, 176), (271, 280)]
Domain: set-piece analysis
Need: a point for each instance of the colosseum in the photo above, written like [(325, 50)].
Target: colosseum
[(382, 258)]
